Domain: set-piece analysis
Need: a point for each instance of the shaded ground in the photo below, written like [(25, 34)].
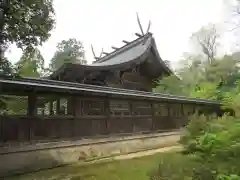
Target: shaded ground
[(129, 169)]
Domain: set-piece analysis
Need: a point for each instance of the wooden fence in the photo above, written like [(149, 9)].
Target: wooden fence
[(95, 117)]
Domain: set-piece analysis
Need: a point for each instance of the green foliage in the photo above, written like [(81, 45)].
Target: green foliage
[(206, 91), (175, 167), (222, 69), (203, 75), (212, 144), (216, 145), (16, 105), (31, 64), (68, 51), (28, 22), (211, 151), (215, 142), (193, 130), (6, 68), (202, 80), (171, 85)]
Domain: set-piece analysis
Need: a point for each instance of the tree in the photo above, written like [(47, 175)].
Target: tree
[(6, 68), (26, 23), (224, 70), (31, 64), (204, 75), (207, 39), (188, 75), (202, 80), (170, 85), (206, 91), (191, 70), (68, 51)]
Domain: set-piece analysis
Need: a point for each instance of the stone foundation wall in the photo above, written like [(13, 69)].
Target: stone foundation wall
[(27, 158)]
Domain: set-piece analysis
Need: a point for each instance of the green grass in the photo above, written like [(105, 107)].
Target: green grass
[(131, 169)]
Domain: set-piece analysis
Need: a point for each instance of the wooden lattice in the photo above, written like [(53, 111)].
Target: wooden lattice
[(119, 108), (175, 110), (161, 109), (93, 107), (142, 108)]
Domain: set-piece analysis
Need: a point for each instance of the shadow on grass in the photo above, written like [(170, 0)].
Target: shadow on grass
[(69, 172)]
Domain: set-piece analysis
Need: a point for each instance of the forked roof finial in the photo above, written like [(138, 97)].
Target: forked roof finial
[(140, 25), (94, 55)]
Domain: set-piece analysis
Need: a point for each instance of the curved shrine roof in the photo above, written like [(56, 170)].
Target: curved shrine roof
[(132, 53), (127, 53)]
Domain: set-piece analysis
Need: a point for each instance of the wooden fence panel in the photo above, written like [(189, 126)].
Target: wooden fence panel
[(143, 123), (119, 124)]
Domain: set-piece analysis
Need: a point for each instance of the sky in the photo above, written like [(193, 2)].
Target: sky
[(106, 23)]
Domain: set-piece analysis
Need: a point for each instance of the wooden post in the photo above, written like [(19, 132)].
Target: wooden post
[(107, 114), (50, 108), (177, 116), (58, 106), (77, 111), (32, 99), (153, 116), (77, 106), (182, 116), (168, 116), (42, 111), (32, 111), (2, 120), (74, 103), (132, 114), (182, 110), (70, 105), (31, 129)]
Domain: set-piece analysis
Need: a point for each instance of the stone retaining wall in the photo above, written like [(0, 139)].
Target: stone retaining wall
[(27, 158)]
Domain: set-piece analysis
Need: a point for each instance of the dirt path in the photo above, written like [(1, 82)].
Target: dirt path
[(147, 153), (137, 154)]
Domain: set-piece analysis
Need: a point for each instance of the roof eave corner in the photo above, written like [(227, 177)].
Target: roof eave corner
[(154, 46)]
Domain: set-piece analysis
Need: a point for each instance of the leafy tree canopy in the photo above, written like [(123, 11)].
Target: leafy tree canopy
[(68, 51), (27, 23), (203, 75), (31, 64)]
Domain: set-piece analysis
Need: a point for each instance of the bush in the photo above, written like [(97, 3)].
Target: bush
[(216, 143), (212, 151), (195, 128), (200, 129)]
